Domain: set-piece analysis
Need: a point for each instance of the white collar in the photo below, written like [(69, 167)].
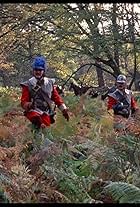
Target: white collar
[(33, 81), (126, 91)]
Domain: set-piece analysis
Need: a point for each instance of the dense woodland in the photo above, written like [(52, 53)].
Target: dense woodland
[(88, 45), (104, 36)]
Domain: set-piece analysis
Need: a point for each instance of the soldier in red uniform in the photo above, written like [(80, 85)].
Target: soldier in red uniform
[(39, 95), (121, 100)]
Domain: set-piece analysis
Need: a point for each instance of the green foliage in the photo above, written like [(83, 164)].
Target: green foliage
[(4, 180), (124, 192), (9, 97), (101, 154), (5, 105), (62, 128), (95, 108), (71, 101), (3, 197), (112, 164), (129, 141), (122, 159), (66, 33), (73, 176), (137, 97), (128, 149)]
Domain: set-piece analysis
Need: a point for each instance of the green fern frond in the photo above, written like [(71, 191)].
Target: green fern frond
[(73, 176), (124, 192), (62, 128), (3, 197), (5, 179)]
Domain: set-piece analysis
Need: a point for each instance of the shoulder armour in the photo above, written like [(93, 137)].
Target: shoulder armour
[(32, 81), (113, 94), (53, 80), (49, 80), (128, 92), (25, 83)]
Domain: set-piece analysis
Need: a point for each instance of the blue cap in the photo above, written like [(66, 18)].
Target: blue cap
[(39, 63)]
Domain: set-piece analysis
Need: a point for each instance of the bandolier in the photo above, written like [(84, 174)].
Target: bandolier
[(123, 106), (40, 94)]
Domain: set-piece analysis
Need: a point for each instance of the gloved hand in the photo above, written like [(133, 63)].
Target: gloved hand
[(134, 110), (118, 107), (65, 114), (125, 111), (27, 106)]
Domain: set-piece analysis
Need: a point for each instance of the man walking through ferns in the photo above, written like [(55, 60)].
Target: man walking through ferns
[(38, 98), (121, 100)]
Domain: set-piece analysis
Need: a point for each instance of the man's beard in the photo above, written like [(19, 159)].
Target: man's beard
[(39, 77)]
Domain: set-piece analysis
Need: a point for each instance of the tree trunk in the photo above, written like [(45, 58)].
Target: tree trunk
[(98, 70), (115, 34), (133, 39), (100, 76)]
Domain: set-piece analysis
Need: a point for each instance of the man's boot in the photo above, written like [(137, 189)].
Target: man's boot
[(46, 137)]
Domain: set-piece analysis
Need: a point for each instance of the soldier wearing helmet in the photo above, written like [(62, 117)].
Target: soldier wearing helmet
[(121, 100), (39, 96)]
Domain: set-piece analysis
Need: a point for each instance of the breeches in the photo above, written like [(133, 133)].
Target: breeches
[(38, 119)]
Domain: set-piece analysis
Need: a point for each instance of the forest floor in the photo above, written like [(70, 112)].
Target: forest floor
[(15, 138), (13, 128)]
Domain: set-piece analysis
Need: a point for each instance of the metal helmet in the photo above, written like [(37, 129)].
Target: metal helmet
[(39, 63), (121, 79)]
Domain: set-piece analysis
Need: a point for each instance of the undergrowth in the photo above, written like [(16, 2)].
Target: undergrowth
[(95, 164)]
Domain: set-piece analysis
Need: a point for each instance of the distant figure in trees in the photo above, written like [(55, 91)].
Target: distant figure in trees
[(39, 97), (121, 99), (78, 91)]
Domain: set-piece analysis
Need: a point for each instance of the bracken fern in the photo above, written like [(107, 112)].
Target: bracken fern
[(124, 192)]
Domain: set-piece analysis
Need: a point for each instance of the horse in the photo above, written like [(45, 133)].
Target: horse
[(78, 91)]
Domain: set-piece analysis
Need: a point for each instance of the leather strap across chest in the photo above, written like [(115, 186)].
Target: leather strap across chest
[(120, 97)]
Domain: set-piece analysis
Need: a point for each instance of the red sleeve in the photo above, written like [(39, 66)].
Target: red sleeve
[(56, 97), (25, 97), (111, 102), (133, 103)]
